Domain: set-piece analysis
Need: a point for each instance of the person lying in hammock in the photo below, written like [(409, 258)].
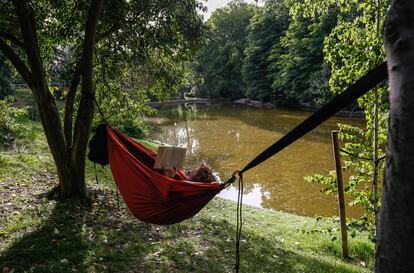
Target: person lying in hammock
[(202, 174), (173, 157)]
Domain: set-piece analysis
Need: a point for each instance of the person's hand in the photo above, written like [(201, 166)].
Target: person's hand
[(169, 172)]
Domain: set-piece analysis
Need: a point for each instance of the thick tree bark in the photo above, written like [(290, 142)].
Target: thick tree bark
[(86, 106), (69, 106), (68, 152), (49, 113), (395, 235)]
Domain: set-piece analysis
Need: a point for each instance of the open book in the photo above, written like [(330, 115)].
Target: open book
[(169, 157)]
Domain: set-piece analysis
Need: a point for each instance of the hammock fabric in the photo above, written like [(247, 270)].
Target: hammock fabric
[(150, 196)]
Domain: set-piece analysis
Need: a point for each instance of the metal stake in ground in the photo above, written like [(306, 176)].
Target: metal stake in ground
[(341, 199)]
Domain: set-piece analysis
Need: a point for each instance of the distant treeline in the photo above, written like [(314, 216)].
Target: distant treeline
[(271, 53)]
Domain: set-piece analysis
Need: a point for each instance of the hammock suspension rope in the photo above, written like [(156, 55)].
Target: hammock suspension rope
[(361, 157)]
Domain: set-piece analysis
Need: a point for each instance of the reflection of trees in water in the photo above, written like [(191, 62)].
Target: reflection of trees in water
[(280, 121), (177, 128)]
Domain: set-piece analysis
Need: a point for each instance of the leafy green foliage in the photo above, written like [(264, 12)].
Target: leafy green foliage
[(265, 30), (219, 64), (328, 181), (299, 75), (271, 53), (140, 45), (6, 77), (359, 142), (146, 61), (352, 48), (10, 129)]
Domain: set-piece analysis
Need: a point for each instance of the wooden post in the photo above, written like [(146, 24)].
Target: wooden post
[(341, 198)]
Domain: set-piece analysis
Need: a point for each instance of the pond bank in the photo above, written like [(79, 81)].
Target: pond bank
[(158, 104), (250, 102), (44, 236), (307, 108)]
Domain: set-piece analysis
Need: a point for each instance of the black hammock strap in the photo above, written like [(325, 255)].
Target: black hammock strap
[(359, 88)]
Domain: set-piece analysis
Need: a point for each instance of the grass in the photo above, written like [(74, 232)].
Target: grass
[(37, 235), (151, 145)]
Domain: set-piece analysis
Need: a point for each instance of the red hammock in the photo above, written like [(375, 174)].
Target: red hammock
[(150, 196)]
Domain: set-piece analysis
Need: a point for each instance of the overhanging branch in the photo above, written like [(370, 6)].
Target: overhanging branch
[(12, 39), (17, 63), (69, 102), (28, 31)]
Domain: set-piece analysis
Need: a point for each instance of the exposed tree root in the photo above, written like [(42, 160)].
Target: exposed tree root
[(53, 194), (56, 194)]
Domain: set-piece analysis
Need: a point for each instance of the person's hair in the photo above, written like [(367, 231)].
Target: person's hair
[(202, 174)]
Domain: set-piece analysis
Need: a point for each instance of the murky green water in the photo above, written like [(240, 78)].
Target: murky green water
[(227, 137)]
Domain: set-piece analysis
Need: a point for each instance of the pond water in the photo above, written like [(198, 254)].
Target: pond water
[(227, 137)]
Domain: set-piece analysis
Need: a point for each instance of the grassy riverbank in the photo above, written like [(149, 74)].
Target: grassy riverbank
[(37, 235)]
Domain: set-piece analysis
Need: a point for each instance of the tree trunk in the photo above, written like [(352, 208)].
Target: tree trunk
[(52, 126), (49, 113), (395, 236), (85, 113), (68, 152)]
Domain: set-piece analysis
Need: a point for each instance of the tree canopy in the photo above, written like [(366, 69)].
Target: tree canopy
[(94, 45), (272, 53), (219, 63)]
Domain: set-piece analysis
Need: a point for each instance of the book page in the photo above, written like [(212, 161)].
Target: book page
[(169, 157)]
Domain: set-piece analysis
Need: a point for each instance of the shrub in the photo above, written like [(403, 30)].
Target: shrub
[(5, 90), (10, 129)]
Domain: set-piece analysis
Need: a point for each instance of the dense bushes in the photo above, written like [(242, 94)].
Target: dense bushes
[(6, 77)]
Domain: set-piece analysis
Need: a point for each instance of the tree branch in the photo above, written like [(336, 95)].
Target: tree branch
[(49, 113), (69, 101), (86, 107), (89, 45), (17, 63), (12, 39), (28, 31)]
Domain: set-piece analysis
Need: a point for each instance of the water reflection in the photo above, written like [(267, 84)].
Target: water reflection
[(254, 197), (227, 137)]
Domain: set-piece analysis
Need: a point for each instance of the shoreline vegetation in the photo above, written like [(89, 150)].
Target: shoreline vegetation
[(200, 100), (37, 235), (253, 103)]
